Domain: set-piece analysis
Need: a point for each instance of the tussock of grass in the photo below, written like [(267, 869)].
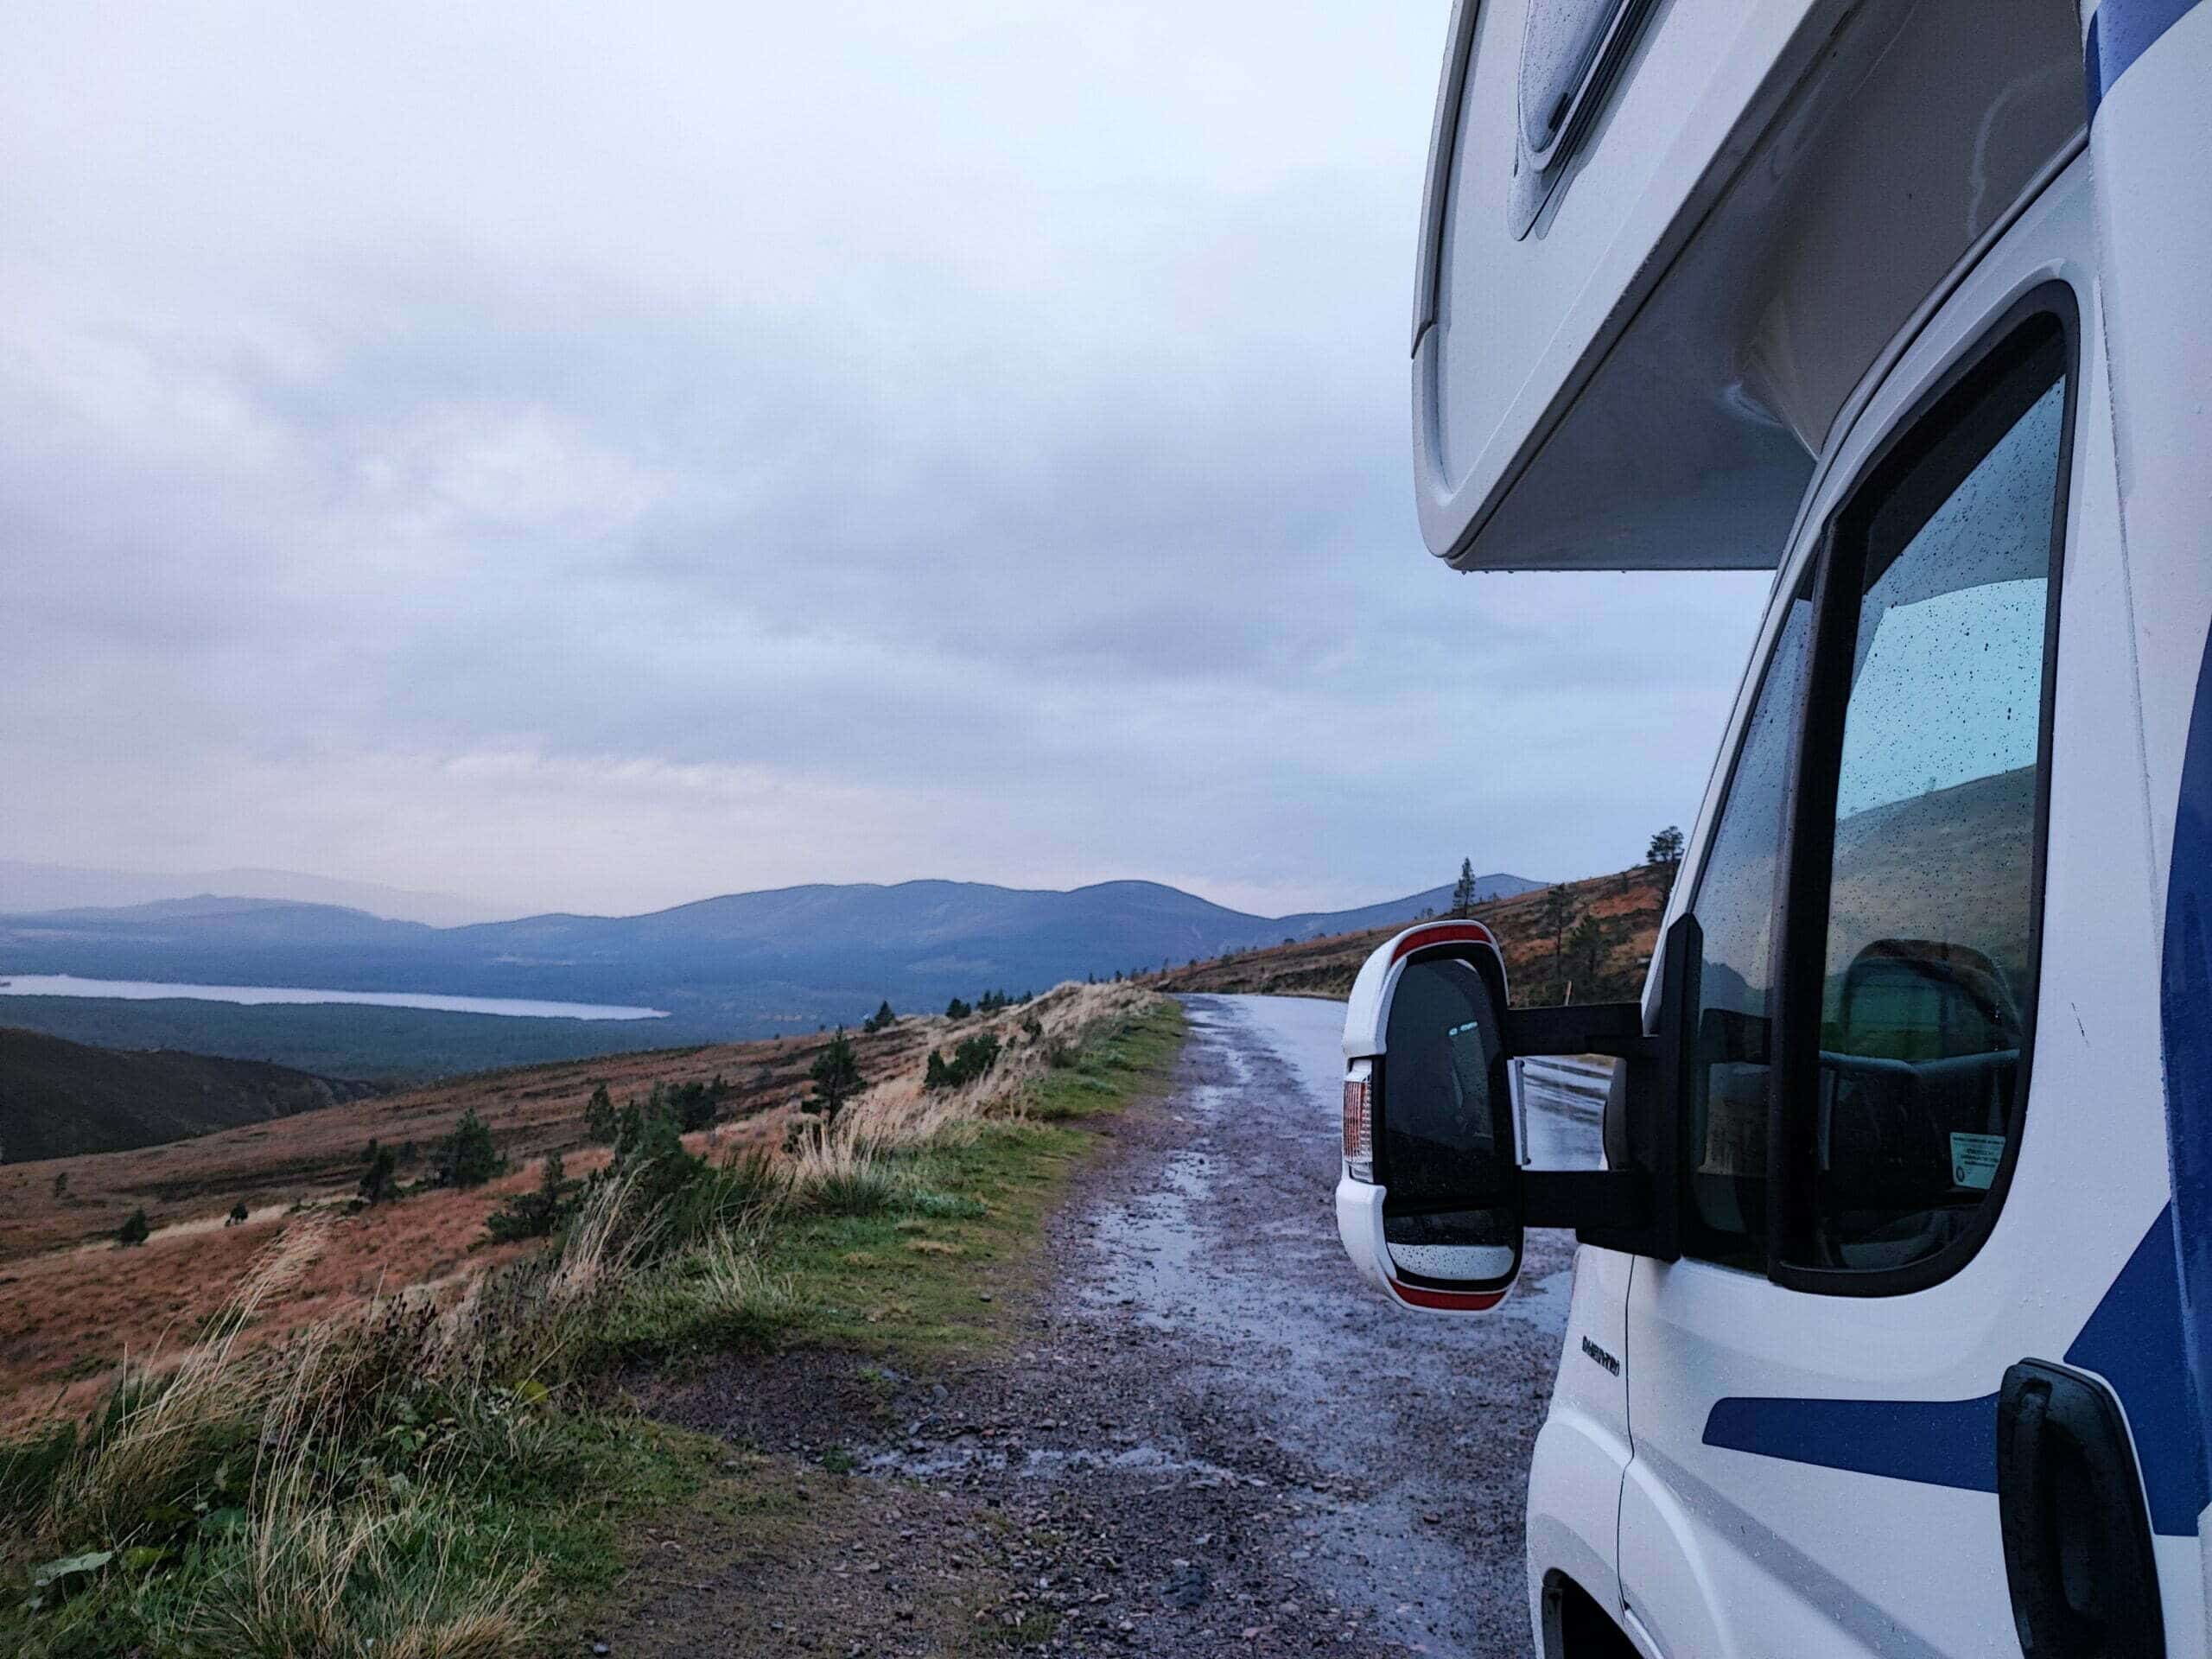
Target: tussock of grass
[(713, 1295), (396, 1578), (361, 1581), (339, 1496)]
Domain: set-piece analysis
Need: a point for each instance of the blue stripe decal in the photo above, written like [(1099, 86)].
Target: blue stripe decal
[(2122, 31), (2133, 1339), (1937, 1442), (2185, 1011), (2135, 1342)]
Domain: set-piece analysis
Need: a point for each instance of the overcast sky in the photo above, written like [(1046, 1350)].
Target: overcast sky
[(598, 455)]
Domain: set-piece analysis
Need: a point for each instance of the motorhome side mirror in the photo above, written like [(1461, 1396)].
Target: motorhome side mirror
[(1432, 1199), (1429, 1202)]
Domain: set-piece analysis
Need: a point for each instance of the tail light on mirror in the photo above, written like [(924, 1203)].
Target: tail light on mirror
[(1359, 1121)]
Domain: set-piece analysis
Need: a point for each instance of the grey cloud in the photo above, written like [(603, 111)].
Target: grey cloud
[(600, 461)]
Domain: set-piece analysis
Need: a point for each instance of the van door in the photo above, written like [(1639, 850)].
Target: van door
[(1924, 1136)]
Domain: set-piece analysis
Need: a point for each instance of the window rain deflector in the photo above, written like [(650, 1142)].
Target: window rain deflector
[(1570, 52)]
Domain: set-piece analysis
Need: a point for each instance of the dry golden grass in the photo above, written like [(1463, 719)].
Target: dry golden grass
[(297, 1596), (358, 1570), (102, 1488), (899, 1115)]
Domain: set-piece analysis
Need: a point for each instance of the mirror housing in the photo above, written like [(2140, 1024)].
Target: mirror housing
[(1433, 1198), (1429, 1203)]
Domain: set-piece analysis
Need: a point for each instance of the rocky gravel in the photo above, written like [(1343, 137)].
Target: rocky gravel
[(1205, 1438)]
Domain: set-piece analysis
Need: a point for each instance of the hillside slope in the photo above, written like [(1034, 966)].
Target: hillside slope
[(1313, 925), (61, 1099), (67, 1291), (1627, 908)]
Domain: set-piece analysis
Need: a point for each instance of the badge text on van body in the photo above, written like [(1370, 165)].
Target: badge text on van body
[(1601, 1357)]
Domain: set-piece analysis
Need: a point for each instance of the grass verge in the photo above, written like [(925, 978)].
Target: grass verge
[(927, 1271)]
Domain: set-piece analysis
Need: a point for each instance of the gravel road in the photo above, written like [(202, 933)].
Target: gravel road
[(1211, 1440)]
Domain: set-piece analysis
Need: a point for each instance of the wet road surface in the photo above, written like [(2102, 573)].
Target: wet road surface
[(1211, 1440), (1420, 1426)]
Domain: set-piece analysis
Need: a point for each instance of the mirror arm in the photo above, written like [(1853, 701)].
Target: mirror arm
[(1640, 1209), (1609, 1208), (1614, 1028)]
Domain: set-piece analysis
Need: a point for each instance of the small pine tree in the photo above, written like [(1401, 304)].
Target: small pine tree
[(1666, 847), (882, 1019), (657, 1162), (379, 1181), (61, 1184), (1588, 943), (629, 1127), (837, 1075), (239, 1214), (535, 1214), (598, 1117), (134, 1231), (1463, 891), (975, 1056), (957, 1009), (689, 1104), (1559, 914), (468, 1157)]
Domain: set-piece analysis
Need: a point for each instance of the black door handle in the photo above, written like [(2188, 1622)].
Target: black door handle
[(2077, 1538)]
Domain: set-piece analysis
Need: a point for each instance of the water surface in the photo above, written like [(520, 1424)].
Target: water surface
[(149, 991)]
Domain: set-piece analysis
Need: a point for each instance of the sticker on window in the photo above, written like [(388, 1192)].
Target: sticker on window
[(1974, 1159)]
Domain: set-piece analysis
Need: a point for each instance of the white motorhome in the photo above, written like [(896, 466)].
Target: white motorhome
[(1891, 1326)]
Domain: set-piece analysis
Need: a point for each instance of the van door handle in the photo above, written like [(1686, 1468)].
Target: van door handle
[(2078, 1558)]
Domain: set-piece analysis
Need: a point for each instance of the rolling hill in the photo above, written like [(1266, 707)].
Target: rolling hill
[(62, 1099)]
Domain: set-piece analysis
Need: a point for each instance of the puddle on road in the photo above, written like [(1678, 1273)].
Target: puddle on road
[(1147, 1248), (1045, 1463)]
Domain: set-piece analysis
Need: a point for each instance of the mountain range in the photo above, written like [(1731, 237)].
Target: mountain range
[(26, 888), (747, 962)]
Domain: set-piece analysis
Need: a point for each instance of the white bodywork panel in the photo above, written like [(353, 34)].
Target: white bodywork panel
[(1583, 1451), (2149, 147), (1791, 220), (1770, 193), (1727, 1552)]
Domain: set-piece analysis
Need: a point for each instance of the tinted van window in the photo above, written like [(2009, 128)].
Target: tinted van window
[(1929, 957)]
